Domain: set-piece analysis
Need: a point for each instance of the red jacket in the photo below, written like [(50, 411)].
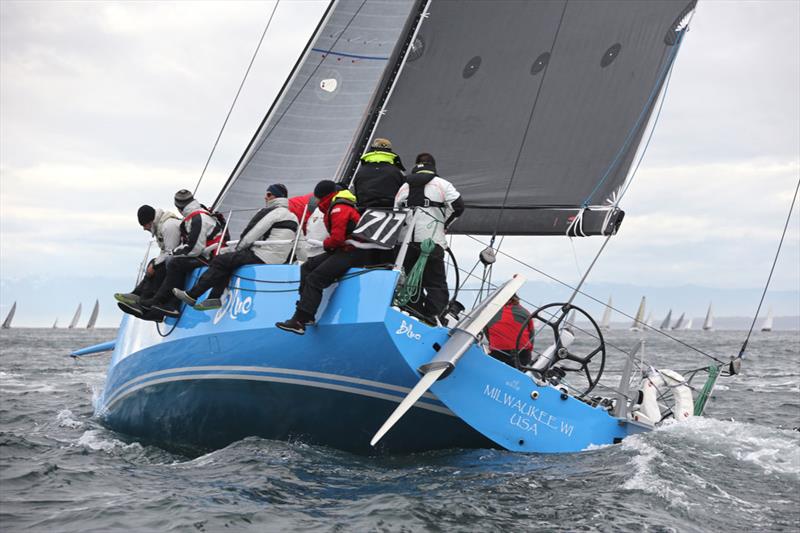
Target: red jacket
[(504, 328), (297, 204), (341, 218)]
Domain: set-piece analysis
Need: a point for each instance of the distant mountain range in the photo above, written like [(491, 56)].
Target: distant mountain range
[(41, 300)]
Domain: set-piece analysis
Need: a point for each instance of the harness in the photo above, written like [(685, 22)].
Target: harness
[(416, 190), (283, 224), (337, 200), (214, 237)]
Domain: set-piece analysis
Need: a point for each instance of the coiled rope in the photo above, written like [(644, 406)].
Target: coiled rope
[(412, 288)]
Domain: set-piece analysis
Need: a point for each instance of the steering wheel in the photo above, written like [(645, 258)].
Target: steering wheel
[(555, 316)]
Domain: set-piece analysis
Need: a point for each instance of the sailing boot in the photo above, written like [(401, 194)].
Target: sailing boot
[(126, 298), (168, 309), (131, 309), (184, 297), (209, 304), (297, 324)]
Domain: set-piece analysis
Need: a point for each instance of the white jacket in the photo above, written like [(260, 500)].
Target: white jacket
[(276, 247), (166, 228), (316, 233), (203, 226), (430, 220)]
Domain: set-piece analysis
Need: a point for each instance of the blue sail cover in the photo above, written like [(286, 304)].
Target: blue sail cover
[(309, 133), (533, 109)]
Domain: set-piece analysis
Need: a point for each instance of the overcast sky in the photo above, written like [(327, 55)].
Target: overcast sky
[(105, 106)]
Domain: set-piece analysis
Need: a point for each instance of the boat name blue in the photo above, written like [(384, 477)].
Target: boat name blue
[(235, 305), (527, 416), (407, 329)]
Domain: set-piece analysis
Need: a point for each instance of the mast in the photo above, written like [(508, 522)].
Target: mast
[(10, 317), (708, 324), (638, 321), (93, 317), (679, 322), (767, 325), (665, 323), (605, 323), (75, 317)]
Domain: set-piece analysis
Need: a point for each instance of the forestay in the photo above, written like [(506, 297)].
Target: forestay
[(533, 109)]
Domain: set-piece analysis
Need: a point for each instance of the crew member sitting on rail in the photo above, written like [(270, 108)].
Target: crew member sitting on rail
[(165, 226), (267, 239), (505, 329), (201, 233), (319, 272), (438, 204), (379, 177)]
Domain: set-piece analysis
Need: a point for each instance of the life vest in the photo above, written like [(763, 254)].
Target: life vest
[(215, 236), (416, 189), (342, 198)]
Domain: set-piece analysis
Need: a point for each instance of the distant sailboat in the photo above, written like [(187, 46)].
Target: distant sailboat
[(689, 324), (679, 322), (667, 319), (55, 324), (638, 321), (10, 316), (605, 323), (93, 317), (76, 317), (766, 326), (649, 321), (709, 322)]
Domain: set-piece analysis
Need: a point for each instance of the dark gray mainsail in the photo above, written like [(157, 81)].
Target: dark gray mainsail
[(311, 131), (533, 109)]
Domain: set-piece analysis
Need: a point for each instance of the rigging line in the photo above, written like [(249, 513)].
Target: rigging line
[(771, 270), (527, 127), (235, 98), (629, 138), (310, 77), (545, 274)]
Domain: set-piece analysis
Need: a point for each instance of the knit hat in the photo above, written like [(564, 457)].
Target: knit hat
[(324, 188), (278, 189), (183, 198), (146, 215), (381, 144)]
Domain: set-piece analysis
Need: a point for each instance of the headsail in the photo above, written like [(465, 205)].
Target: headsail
[(533, 109), (605, 322), (10, 317), (93, 317), (638, 320), (666, 322), (709, 322), (311, 130), (75, 317)]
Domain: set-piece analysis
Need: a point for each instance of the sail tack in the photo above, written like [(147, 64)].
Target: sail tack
[(532, 109)]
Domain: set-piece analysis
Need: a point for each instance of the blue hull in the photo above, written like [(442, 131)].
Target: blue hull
[(216, 377)]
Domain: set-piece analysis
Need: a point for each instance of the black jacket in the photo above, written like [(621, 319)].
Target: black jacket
[(376, 184)]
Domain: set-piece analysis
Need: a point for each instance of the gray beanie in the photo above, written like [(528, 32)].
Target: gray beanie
[(183, 198)]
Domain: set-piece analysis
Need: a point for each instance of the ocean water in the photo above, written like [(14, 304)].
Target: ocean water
[(736, 470)]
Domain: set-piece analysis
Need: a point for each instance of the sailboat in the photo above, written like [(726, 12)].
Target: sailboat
[(767, 325), (678, 323), (55, 324), (649, 321), (605, 322), (93, 316), (666, 322), (689, 324), (75, 317), (708, 324), (9, 317), (468, 82), (638, 320)]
